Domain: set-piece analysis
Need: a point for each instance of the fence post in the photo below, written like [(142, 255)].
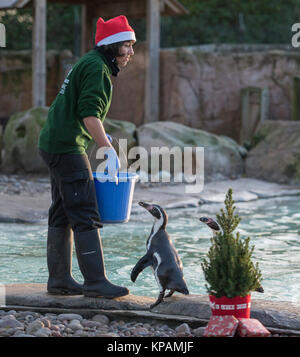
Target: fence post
[(255, 109)]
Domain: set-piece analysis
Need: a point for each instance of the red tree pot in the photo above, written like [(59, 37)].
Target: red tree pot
[(238, 306)]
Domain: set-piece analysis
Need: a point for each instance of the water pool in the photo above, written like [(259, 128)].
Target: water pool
[(272, 224)]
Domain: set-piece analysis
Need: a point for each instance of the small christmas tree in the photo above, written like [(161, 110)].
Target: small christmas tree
[(228, 268)]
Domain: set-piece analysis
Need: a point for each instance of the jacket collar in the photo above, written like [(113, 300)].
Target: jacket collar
[(110, 61)]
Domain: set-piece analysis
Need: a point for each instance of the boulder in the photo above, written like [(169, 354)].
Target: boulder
[(20, 142), (223, 157), (118, 129), (275, 155)]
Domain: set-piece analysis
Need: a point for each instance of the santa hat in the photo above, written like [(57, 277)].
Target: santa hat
[(113, 30)]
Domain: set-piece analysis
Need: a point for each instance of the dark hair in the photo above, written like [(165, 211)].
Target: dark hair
[(113, 49)]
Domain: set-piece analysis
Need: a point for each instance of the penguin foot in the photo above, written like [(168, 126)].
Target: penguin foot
[(159, 299), (171, 292)]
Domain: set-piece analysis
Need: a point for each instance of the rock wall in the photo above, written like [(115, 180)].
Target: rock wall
[(16, 79), (200, 86), (275, 155)]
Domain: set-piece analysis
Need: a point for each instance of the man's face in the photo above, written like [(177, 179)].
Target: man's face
[(127, 51)]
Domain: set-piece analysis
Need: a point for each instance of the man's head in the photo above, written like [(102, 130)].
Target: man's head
[(116, 37), (122, 51)]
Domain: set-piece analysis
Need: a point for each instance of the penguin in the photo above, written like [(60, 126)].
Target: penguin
[(214, 226), (161, 256)]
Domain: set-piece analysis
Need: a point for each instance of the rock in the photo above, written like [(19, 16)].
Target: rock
[(46, 322), (198, 332), (22, 335), (276, 152), (181, 334), (34, 326), (222, 155), (55, 328), (140, 331), (103, 319), (42, 332), (69, 317), (29, 318), (91, 324), (6, 323), (108, 334), (80, 333), (183, 328), (56, 334), (75, 325), (20, 142)]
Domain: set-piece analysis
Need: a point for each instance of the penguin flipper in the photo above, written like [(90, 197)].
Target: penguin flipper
[(143, 263)]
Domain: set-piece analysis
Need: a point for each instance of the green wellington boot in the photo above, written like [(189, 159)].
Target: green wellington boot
[(59, 260), (91, 263)]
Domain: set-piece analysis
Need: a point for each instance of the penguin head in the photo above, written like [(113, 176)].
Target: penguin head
[(157, 212), (211, 223)]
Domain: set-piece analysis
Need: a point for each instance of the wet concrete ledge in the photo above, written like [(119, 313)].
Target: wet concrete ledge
[(193, 309)]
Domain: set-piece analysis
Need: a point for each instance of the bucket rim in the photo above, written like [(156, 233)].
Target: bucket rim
[(121, 175)]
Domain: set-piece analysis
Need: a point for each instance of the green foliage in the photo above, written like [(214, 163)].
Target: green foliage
[(228, 268), (61, 27), (209, 21), (235, 21)]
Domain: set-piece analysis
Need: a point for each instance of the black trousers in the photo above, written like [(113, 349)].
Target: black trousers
[(73, 192)]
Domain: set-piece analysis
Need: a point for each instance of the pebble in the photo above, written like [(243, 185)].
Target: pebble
[(103, 319), (32, 327), (42, 332), (69, 317), (75, 325), (33, 324), (183, 329)]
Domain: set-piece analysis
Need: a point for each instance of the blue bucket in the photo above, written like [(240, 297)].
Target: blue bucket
[(114, 199)]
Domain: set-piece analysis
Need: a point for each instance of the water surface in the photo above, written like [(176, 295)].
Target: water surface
[(272, 224)]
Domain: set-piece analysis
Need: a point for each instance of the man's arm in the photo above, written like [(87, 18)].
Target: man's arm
[(96, 130)]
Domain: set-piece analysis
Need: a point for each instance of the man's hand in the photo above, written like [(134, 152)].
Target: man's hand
[(96, 130)]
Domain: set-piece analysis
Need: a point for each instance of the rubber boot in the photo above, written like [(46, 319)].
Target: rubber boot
[(91, 263), (59, 260)]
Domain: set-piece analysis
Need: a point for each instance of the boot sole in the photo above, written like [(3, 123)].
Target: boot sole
[(93, 294), (63, 292)]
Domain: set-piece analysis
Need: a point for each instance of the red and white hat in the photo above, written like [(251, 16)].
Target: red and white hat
[(113, 30)]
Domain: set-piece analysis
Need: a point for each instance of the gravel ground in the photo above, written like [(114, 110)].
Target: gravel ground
[(33, 324), (25, 184)]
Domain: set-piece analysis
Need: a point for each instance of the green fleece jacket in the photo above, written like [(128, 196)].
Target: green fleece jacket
[(86, 91)]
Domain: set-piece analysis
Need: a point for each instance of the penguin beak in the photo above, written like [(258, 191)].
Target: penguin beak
[(145, 205), (211, 223)]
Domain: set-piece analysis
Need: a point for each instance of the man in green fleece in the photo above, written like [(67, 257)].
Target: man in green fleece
[(75, 118)]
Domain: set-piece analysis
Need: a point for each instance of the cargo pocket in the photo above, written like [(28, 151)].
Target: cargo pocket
[(75, 189)]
